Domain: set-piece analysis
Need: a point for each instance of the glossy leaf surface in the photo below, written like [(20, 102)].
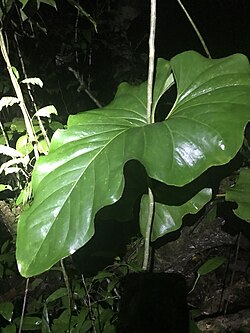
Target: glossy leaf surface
[(6, 310), (240, 193), (83, 171), (169, 218)]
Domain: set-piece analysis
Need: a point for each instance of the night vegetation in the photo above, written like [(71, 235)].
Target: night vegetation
[(124, 174)]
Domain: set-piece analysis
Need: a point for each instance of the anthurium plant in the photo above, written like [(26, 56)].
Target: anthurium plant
[(84, 169)]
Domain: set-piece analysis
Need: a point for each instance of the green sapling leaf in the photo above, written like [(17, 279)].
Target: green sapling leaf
[(24, 195), (9, 329), (7, 167), (51, 3), (8, 101), (169, 218), (46, 111), (23, 145), (29, 323), (5, 150), (211, 265), (16, 73), (24, 3), (57, 294), (18, 125), (6, 310), (4, 187), (34, 81), (240, 193)]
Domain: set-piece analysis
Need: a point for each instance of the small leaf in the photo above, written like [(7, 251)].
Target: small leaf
[(24, 3), (4, 187), (59, 293), (6, 310), (10, 151), (7, 166), (18, 125), (9, 329), (61, 322), (4, 246), (34, 81), (45, 320), (81, 318), (16, 73), (102, 275), (23, 145), (36, 283), (29, 323), (109, 328), (42, 146), (169, 218), (51, 3), (211, 265), (55, 125), (8, 101), (24, 195), (24, 17), (47, 111), (10, 170), (240, 193)]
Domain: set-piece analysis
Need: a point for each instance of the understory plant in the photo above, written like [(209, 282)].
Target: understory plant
[(106, 160), (83, 171)]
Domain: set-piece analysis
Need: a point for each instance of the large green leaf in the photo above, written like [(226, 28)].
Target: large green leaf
[(240, 193), (169, 218), (83, 171)]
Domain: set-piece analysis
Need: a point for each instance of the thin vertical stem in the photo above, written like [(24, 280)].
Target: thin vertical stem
[(150, 120), (24, 304), (30, 93), (19, 94), (151, 203), (67, 284), (151, 60)]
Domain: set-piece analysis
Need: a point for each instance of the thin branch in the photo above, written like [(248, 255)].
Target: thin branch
[(195, 29), (83, 86), (24, 304), (67, 284), (89, 304), (4, 134), (19, 94), (76, 35), (43, 130), (82, 12)]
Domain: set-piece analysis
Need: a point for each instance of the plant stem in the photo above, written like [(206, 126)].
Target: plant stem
[(151, 61), (19, 94), (150, 120), (24, 305), (4, 134), (43, 130), (195, 29), (151, 203), (89, 304), (67, 284)]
